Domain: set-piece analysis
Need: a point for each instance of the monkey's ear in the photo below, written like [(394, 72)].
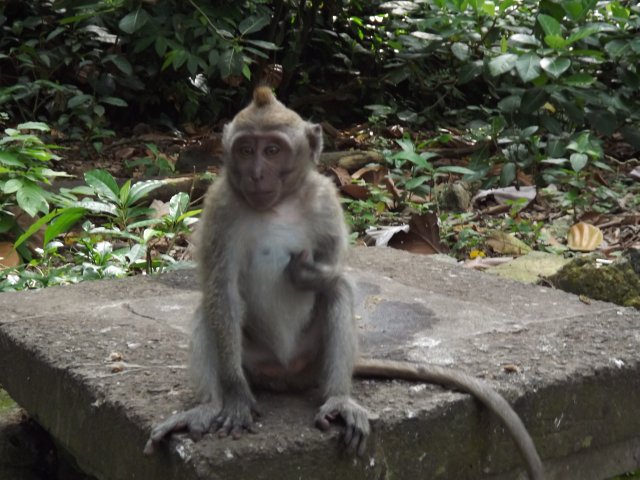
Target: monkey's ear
[(314, 136)]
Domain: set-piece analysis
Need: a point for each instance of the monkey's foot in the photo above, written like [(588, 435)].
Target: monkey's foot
[(196, 422), (355, 418), (236, 417)]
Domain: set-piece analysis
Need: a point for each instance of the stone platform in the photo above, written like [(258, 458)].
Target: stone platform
[(99, 363)]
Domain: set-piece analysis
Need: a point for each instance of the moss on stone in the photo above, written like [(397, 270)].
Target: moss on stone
[(618, 283)]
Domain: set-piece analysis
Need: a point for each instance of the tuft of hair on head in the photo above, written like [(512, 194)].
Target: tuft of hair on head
[(263, 96)]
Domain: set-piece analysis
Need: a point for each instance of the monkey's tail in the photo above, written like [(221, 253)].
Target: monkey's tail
[(371, 368)]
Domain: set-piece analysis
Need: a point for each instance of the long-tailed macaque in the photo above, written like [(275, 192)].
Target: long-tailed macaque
[(277, 308)]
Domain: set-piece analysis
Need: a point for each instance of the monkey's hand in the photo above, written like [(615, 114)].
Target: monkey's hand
[(196, 422), (355, 418), (306, 274)]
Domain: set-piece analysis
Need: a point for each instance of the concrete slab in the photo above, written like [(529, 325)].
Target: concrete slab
[(98, 363)]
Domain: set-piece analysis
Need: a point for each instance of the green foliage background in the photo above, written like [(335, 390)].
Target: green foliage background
[(561, 65)]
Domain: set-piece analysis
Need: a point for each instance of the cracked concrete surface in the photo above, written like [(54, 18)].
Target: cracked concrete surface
[(99, 363)]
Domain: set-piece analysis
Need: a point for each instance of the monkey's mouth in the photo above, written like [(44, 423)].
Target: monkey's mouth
[(261, 199)]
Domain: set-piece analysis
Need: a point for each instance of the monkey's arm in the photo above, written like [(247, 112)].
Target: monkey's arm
[(372, 368), (223, 311), (340, 347)]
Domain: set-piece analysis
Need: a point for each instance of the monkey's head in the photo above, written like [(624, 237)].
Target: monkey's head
[(269, 150)]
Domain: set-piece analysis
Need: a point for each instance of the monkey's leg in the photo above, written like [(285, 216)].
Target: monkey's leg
[(335, 307)]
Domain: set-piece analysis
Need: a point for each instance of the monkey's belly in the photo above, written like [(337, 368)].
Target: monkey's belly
[(266, 370), (277, 313)]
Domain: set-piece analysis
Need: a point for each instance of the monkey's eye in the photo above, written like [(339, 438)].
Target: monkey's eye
[(271, 150), (246, 150)]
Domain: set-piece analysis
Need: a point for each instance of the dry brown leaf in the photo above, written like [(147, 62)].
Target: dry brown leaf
[(341, 175), (125, 153), (584, 237), (373, 174), (358, 192), (423, 236), (9, 258)]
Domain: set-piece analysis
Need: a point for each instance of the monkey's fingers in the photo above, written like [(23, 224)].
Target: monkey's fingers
[(173, 424)]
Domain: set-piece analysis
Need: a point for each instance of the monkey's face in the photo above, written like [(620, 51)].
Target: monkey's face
[(263, 167)]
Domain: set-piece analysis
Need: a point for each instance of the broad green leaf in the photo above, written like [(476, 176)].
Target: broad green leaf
[(579, 80), (103, 183), (230, 62), (504, 4), (583, 32), (253, 24), (97, 207), (115, 101), (214, 58), (575, 8), (617, 48), (78, 100), (528, 66), (555, 66), (123, 195), (160, 46), (31, 199), (524, 39), (469, 71), (122, 63), (12, 185), (555, 41), (578, 161), (550, 25), (66, 219), (414, 183), (142, 189), (246, 71), (134, 21), (502, 64), (198, 211), (178, 204), (10, 159), (507, 174), (533, 99), (460, 51), (43, 127), (263, 44), (34, 227), (509, 104)]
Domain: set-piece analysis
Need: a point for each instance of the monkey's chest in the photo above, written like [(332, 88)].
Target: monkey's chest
[(277, 312)]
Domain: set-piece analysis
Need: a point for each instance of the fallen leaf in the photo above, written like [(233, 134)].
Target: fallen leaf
[(341, 175), (160, 208), (358, 192), (507, 244), (529, 268), (423, 236), (372, 174), (503, 195), (9, 258), (584, 237)]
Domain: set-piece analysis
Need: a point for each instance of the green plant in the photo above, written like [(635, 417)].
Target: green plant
[(413, 173), (583, 149), (155, 164), (25, 165), (120, 206)]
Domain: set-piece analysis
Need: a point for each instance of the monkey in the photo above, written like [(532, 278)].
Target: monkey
[(277, 307)]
